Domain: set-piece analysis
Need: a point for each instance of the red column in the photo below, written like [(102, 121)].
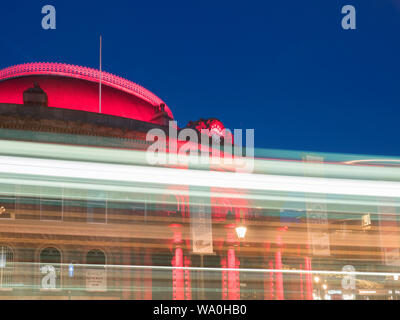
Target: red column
[(278, 275), (268, 276), (233, 281), (224, 280), (278, 266), (301, 283), (188, 282), (237, 273), (233, 284), (308, 276), (230, 278), (177, 261), (269, 282), (178, 275)]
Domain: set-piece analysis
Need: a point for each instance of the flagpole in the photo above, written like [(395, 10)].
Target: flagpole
[(100, 80)]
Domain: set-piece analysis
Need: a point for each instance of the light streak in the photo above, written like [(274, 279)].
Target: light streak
[(144, 174), (253, 270)]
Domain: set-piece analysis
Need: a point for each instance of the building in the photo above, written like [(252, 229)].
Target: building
[(66, 233)]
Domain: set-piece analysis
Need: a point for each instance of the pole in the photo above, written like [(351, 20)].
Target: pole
[(100, 80)]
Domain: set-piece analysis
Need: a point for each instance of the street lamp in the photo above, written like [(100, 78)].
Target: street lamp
[(316, 280), (241, 232), (324, 286)]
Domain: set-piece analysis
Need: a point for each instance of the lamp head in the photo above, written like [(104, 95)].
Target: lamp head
[(241, 232)]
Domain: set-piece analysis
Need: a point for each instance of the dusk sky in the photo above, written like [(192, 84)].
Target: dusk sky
[(285, 68)]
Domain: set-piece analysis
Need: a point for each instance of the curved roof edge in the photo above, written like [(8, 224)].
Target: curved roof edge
[(79, 72)]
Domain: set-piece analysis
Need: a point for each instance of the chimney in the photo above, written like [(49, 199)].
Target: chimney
[(35, 96)]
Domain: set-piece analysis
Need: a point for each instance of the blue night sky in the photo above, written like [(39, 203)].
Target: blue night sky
[(285, 68)]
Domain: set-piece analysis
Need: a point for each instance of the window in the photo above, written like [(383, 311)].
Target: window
[(96, 207), (96, 275), (28, 208), (7, 207), (6, 267), (74, 210), (50, 271), (125, 212), (51, 209), (51, 204), (50, 255), (96, 257)]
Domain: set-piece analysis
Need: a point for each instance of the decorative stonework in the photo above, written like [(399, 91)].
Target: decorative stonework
[(68, 127), (76, 122)]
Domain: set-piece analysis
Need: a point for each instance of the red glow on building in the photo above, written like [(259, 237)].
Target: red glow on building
[(75, 87)]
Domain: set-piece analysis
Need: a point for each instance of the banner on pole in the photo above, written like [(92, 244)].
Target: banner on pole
[(201, 225), (317, 216)]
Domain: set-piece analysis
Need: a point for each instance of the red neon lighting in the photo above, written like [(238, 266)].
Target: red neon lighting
[(279, 276), (301, 283), (233, 283), (271, 281), (178, 275), (309, 286)]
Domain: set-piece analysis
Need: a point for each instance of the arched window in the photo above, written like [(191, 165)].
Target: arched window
[(50, 255), (96, 256), (50, 271), (96, 275), (6, 266)]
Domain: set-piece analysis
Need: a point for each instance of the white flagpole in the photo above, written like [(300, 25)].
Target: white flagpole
[(100, 80)]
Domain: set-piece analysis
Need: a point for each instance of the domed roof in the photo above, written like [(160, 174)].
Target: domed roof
[(75, 87)]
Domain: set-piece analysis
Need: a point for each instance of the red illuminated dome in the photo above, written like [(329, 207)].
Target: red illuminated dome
[(76, 87)]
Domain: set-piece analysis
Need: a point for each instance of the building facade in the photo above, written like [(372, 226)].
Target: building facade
[(66, 233)]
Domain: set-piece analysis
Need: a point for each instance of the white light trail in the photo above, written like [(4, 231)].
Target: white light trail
[(61, 169), (295, 271)]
